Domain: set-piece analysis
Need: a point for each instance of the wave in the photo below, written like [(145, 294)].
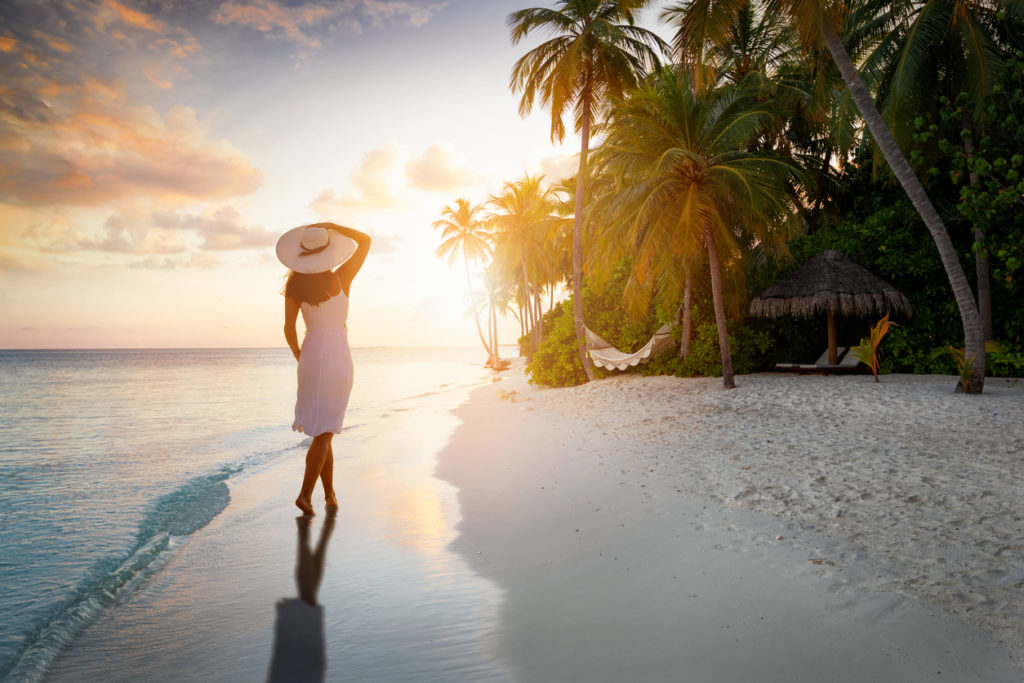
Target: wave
[(174, 517), (446, 388)]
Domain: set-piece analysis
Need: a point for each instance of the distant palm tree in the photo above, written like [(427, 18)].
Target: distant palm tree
[(685, 180), (521, 217), (597, 52), (463, 231), (499, 292), (816, 22)]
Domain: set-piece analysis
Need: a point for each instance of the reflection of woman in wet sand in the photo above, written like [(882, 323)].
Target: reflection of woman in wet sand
[(323, 259), (299, 630)]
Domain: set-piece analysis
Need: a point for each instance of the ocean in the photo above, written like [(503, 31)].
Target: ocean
[(111, 461)]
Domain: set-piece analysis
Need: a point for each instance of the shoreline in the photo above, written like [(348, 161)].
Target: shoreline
[(392, 602), (898, 496)]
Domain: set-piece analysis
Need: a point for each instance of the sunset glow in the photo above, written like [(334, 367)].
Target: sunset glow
[(151, 153)]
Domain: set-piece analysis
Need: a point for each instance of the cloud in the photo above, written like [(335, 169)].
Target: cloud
[(383, 12), (157, 80), (71, 133), (55, 233), (376, 183), (385, 244), (379, 176), (439, 170), (154, 233), (306, 24), (327, 204), (127, 238), (275, 20), (385, 173), (194, 260), (558, 168), (222, 230), (9, 264), (95, 148)]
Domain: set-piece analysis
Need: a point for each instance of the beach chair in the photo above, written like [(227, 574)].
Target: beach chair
[(847, 362)]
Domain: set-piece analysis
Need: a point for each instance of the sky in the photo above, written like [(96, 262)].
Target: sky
[(152, 151)]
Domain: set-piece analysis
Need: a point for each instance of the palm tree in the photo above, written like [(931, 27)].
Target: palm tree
[(755, 42), (597, 52), (943, 47), (499, 293), (685, 179), (464, 232), (815, 22), (521, 217)]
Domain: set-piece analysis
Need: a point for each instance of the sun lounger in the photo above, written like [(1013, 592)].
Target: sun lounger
[(848, 362)]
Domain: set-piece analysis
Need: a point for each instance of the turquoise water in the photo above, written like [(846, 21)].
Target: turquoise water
[(108, 459)]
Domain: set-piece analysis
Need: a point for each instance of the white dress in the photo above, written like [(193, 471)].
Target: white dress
[(325, 368)]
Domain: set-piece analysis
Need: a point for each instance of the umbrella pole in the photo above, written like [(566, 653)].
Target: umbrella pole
[(833, 357)]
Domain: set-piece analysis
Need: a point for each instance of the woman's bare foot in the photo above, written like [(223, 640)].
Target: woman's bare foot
[(332, 500), (303, 504)]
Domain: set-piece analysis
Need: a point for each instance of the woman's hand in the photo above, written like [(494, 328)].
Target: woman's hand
[(347, 270)]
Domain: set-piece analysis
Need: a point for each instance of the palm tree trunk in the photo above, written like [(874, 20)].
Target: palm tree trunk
[(538, 308), (981, 264), (684, 344), (716, 296), (476, 313), (494, 326), (527, 304), (577, 238), (973, 337)]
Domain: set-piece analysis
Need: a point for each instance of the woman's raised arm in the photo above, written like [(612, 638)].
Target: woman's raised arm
[(347, 271)]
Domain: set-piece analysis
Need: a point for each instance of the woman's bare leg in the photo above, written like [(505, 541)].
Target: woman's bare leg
[(315, 457), (327, 478)]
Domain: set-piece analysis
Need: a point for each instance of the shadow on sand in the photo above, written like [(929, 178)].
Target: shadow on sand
[(299, 629)]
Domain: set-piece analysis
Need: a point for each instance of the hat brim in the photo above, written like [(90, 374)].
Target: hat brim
[(289, 252)]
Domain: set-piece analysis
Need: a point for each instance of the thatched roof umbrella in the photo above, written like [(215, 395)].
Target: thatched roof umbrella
[(831, 283)]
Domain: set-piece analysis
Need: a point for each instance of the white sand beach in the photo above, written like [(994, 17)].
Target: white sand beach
[(795, 528)]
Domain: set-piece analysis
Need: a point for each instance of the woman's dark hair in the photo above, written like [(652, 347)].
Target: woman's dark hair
[(310, 288)]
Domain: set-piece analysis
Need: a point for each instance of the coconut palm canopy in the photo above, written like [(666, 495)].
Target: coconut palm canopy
[(831, 282)]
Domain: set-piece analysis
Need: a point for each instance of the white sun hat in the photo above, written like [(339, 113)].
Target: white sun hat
[(313, 249)]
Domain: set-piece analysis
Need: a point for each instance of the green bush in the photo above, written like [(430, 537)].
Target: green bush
[(749, 349), (556, 361)]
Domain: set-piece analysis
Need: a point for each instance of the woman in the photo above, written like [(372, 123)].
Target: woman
[(323, 259)]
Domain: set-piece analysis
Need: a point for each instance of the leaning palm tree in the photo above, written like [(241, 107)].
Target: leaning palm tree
[(816, 22), (933, 48), (597, 51), (685, 179), (463, 231)]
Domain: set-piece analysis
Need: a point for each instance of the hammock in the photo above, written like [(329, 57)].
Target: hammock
[(607, 356)]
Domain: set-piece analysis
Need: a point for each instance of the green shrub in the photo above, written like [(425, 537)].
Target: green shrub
[(748, 347), (556, 361)]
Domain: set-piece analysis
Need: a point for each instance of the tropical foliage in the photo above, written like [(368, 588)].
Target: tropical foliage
[(867, 351), (596, 55), (782, 128)]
